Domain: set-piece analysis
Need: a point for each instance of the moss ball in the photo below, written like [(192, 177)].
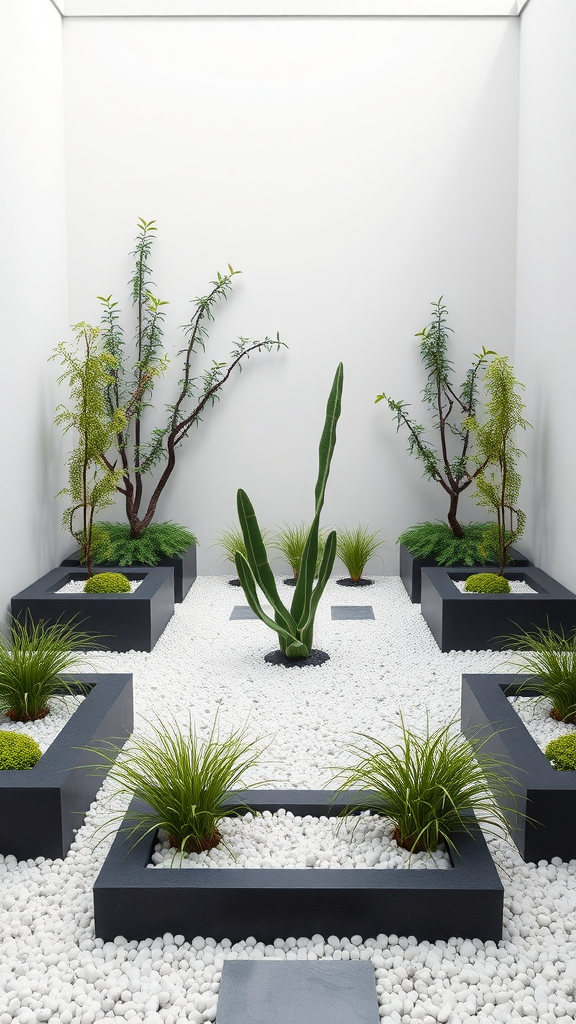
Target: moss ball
[(108, 583), (487, 583), (18, 751), (561, 752)]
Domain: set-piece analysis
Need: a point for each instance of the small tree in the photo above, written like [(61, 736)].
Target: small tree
[(131, 386), (449, 462), (91, 483), (498, 482)]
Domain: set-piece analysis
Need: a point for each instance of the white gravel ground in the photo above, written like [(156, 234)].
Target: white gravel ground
[(516, 587), (77, 587), (51, 967), (535, 715), (44, 730), (284, 840)]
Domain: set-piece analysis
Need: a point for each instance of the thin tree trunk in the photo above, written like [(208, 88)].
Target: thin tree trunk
[(452, 520)]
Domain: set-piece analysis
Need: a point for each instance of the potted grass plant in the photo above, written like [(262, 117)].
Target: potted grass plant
[(449, 460), (290, 541), (355, 547), (231, 540)]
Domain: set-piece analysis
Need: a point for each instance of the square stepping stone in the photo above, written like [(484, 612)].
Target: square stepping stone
[(352, 611), (243, 611), (297, 992)]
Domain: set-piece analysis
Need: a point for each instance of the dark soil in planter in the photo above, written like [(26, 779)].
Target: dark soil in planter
[(290, 582), (347, 582), (279, 658)]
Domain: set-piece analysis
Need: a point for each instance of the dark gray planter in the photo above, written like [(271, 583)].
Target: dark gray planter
[(541, 792), (478, 622), (42, 808), (139, 903), (411, 568), (125, 622), (184, 566)]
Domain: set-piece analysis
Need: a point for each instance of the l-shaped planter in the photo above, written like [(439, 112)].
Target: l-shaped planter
[(120, 622), (411, 569), (547, 796), (184, 566), (133, 900), (479, 622), (41, 808)]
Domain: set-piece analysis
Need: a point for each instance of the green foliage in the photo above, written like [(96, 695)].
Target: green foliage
[(354, 547), (91, 482), (295, 628), (436, 540), (108, 583), (449, 460), (157, 541), (189, 785), (561, 753), (498, 482), (487, 583), (140, 452), (290, 541), (32, 660), (18, 752), (428, 785), (550, 660), (231, 541)]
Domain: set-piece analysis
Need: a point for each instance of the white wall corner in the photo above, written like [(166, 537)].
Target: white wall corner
[(60, 6)]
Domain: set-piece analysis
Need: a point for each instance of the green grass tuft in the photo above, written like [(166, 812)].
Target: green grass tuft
[(32, 660), (487, 583), (189, 784), (231, 540), (436, 540), (158, 541), (18, 752), (290, 542), (561, 753), (355, 547), (428, 785), (550, 660)]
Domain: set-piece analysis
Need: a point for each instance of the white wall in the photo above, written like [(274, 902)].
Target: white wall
[(34, 289), (354, 170), (546, 351)]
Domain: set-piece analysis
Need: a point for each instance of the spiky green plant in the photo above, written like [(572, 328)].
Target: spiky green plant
[(158, 541), (231, 540), (33, 657), (354, 547), (429, 786), (498, 482), (436, 540), (549, 658), (448, 462), (290, 541), (295, 627), (92, 482), (188, 784)]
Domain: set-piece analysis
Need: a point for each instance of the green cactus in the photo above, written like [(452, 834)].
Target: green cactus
[(295, 627)]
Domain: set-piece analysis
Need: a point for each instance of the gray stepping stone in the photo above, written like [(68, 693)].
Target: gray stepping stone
[(352, 611), (243, 611), (297, 992)]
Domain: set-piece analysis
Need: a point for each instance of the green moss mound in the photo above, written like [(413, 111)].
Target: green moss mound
[(561, 753), (17, 751), (436, 540), (159, 540), (487, 583), (108, 583)]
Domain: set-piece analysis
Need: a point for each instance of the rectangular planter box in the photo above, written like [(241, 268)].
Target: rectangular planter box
[(547, 796), (184, 566), (42, 808), (134, 901), (411, 568), (126, 622), (477, 622)]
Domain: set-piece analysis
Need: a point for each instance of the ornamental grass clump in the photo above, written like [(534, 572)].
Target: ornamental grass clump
[(561, 753), (550, 660), (290, 541), (18, 752), (354, 547), (188, 784), (33, 657), (430, 787)]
